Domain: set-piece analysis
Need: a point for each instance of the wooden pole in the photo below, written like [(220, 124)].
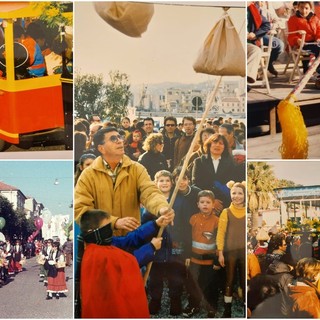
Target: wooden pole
[(209, 104)]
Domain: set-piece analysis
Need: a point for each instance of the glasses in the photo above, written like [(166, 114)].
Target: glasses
[(116, 138), (170, 125)]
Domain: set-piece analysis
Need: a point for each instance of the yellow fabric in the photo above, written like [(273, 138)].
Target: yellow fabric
[(95, 190), (253, 266), (294, 131), (223, 222)]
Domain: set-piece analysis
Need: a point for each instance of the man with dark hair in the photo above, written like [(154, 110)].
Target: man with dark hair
[(116, 184), (170, 136), (148, 126), (182, 144), (227, 130)]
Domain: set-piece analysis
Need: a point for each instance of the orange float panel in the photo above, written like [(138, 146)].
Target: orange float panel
[(30, 111)]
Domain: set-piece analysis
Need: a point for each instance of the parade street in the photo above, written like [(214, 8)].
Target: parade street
[(25, 297)]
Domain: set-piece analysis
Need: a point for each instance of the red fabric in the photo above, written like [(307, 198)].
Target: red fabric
[(17, 266), (311, 26), (257, 19), (111, 284), (58, 283)]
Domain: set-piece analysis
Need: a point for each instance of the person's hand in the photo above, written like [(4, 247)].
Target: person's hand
[(127, 223), (163, 221), (299, 42), (187, 263), (216, 267), (221, 259), (218, 205), (168, 213), (156, 243), (251, 36)]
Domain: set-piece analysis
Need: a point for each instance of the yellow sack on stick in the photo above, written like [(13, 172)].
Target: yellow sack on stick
[(222, 52), (294, 132)]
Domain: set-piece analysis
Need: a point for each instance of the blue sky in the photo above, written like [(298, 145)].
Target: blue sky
[(36, 179)]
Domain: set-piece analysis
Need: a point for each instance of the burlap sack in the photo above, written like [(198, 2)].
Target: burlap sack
[(222, 52), (130, 18), (262, 235)]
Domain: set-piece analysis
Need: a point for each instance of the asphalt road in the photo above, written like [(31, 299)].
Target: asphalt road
[(24, 296)]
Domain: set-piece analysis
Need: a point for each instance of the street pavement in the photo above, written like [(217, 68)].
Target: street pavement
[(24, 296)]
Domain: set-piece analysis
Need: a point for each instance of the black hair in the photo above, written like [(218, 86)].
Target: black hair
[(91, 219), (98, 138), (228, 126), (148, 119), (170, 118)]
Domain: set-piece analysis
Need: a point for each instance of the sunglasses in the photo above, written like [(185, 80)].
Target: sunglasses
[(116, 138), (170, 125)]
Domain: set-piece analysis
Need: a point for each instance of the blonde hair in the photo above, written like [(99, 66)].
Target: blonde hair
[(163, 173), (308, 268), (242, 185), (151, 141)]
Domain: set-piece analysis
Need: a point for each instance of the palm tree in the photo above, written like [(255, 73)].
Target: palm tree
[(261, 182)]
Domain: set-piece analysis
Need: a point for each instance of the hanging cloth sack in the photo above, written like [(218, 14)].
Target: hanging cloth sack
[(130, 18), (222, 52)]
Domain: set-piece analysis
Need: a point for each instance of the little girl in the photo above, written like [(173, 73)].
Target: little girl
[(231, 241), (134, 145)]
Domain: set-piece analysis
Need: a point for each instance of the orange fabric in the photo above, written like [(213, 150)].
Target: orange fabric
[(30, 44), (253, 266), (111, 284), (201, 223)]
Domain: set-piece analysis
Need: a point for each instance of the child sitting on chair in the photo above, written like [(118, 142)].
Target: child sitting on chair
[(306, 20)]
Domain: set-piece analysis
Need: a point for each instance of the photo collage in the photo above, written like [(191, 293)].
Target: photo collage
[(159, 159)]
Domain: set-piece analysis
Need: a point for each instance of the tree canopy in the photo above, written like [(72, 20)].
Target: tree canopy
[(93, 96), (17, 225)]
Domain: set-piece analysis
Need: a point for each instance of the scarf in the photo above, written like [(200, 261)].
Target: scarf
[(308, 17), (102, 236), (256, 16)]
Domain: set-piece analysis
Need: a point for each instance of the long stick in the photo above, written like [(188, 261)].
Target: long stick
[(306, 77), (209, 104)]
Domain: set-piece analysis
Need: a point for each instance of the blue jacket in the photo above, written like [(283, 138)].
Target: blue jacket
[(138, 243)]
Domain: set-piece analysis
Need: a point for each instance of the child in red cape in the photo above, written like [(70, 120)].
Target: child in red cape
[(111, 281)]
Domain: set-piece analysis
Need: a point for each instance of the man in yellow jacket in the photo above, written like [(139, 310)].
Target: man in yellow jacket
[(116, 184)]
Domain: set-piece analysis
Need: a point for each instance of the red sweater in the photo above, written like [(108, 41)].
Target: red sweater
[(311, 26)]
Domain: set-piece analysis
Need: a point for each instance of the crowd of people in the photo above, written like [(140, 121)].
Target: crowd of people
[(283, 274), (282, 19), (129, 173), (50, 255)]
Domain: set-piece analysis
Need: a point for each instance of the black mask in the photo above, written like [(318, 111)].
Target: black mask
[(102, 236)]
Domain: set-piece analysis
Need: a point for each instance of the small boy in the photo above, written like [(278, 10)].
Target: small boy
[(111, 282), (160, 268), (203, 265)]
